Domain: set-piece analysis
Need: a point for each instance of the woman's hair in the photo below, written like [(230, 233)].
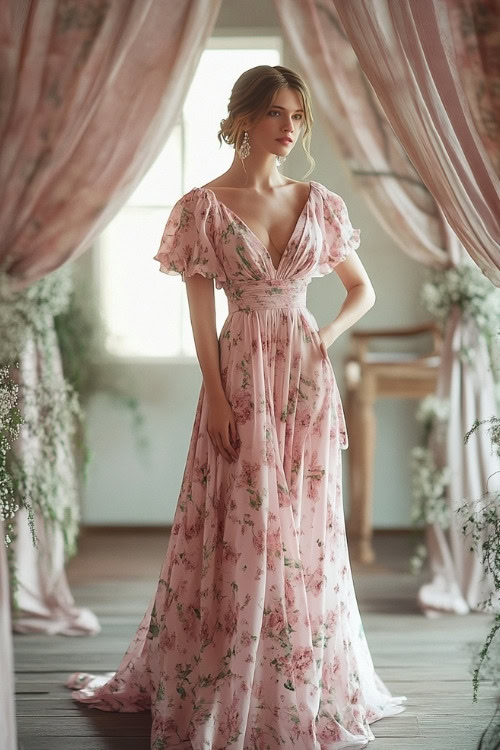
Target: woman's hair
[(251, 97)]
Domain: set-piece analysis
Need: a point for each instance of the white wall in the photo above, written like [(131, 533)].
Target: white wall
[(122, 489)]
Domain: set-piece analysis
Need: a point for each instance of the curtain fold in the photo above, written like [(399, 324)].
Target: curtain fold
[(92, 91), (43, 596), (458, 583), (432, 66), (378, 111)]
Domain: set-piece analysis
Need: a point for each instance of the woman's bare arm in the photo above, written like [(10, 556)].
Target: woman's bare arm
[(200, 292), (360, 298), (221, 424)]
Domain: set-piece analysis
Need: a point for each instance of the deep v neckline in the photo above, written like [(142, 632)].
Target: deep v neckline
[(240, 220)]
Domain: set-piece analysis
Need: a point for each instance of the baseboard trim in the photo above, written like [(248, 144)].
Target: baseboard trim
[(103, 529)]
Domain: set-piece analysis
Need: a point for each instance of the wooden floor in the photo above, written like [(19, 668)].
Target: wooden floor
[(115, 574)]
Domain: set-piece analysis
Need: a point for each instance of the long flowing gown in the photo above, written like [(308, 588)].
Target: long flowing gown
[(253, 639)]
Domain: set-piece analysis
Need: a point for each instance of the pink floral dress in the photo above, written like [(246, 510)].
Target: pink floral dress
[(253, 639)]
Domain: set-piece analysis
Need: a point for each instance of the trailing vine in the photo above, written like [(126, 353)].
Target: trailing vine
[(47, 342), (39, 414), (482, 524)]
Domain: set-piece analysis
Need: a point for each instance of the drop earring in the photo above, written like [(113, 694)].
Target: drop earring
[(245, 146), (280, 160)]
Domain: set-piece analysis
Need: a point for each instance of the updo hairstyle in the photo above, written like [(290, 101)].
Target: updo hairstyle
[(251, 97)]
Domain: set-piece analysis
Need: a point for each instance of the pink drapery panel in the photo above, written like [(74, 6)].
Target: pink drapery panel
[(350, 110), (409, 213), (432, 66), (458, 583), (92, 91), (8, 732), (45, 602)]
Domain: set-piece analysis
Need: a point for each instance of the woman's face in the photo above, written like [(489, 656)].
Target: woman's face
[(283, 119)]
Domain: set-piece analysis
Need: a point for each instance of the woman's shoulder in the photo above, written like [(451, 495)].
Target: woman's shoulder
[(193, 197), (210, 187), (195, 192), (325, 191), (204, 194)]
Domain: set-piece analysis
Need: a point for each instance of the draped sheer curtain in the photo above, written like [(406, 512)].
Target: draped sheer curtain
[(421, 152), (91, 93), (432, 66), (90, 96)]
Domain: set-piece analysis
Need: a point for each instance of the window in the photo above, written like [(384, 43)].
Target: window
[(145, 312)]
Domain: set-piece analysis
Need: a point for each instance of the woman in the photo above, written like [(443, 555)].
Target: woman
[(253, 639)]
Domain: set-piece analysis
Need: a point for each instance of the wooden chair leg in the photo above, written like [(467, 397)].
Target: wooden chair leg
[(360, 418)]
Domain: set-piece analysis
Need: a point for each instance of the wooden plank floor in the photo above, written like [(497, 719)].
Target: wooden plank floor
[(115, 574)]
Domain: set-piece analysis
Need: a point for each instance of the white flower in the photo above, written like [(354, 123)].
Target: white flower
[(432, 407), (464, 285), (30, 310)]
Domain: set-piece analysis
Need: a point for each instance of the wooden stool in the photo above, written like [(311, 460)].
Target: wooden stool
[(368, 376)]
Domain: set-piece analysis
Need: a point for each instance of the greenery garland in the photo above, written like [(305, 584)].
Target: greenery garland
[(466, 287), (11, 496), (10, 422), (43, 412), (47, 412)]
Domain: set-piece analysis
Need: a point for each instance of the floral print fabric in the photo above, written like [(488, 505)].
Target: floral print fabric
[(253, 639)]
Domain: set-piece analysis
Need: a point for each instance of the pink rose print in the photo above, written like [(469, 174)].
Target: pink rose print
[(252, 637), (242, 406)]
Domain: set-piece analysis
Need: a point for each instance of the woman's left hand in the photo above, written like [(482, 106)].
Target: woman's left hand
[(327, 336)]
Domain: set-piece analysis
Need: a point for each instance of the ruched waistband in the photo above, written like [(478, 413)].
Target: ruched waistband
[(265, 294)]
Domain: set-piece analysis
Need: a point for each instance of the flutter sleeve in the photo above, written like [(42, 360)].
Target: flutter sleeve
[(339, 236), (187, 245)]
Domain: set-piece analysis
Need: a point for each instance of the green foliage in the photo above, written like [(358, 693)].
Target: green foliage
[(466, 288), (44, 450), (429, 481), (482, 523)]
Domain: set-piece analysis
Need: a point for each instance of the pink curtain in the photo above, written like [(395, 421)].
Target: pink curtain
[(417, 213), (93, 90), (432, 65), (457, 582), (379, 166), (90, 93), (8, 733), (45, 602)]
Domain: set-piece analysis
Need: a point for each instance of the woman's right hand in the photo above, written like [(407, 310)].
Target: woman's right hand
[(221, 427)]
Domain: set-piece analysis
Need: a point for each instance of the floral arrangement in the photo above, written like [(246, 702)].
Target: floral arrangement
[(31, 311), (464, 285), (10, 423)]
